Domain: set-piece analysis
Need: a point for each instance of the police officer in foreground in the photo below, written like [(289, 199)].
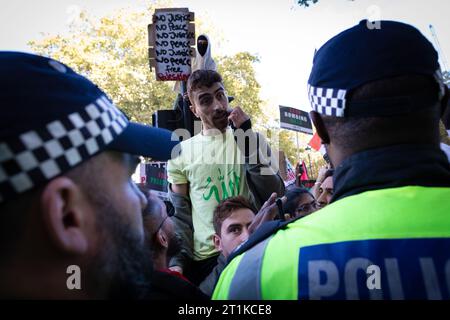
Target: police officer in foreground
[(70, 216), (377, 96)]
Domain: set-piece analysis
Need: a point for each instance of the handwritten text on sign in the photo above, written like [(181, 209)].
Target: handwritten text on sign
[(173, 36)]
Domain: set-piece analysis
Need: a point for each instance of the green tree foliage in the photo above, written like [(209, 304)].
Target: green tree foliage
[(240, 81), (112, 52)]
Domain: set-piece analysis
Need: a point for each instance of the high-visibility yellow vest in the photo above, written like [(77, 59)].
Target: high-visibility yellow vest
[(383, 244)]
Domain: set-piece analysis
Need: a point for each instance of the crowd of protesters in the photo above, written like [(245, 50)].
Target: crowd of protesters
[(231, 229)]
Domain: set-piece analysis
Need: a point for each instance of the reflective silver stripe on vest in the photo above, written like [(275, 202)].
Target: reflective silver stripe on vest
[(246, 283)]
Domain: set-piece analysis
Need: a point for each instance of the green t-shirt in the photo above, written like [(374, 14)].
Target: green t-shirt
[(214, 168)]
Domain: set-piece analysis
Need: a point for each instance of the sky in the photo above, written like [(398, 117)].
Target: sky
[(282, 34)]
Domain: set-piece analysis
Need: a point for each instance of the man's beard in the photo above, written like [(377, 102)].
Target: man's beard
[(220, 119), (123, 267)]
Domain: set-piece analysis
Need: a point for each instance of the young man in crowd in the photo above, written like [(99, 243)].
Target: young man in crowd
[(217, 163), (231, 220)]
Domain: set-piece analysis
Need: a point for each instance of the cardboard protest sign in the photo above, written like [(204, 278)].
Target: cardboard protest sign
[(171, 37), (295, 119)]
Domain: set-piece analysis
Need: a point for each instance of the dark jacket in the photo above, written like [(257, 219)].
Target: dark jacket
[(166, 286), (207, 286), (391, 167)]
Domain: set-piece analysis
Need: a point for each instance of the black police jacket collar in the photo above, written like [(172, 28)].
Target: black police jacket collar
[(390, 167)]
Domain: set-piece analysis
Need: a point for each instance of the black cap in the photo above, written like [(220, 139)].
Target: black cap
[(365, 53)]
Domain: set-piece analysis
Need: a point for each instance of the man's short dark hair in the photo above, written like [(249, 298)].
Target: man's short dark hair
[(292, 196), (226, 207), (328, 173), (202, 79), (376, 131), (152, 217)]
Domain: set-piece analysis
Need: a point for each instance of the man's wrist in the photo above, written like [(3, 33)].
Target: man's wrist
[(247, 124)]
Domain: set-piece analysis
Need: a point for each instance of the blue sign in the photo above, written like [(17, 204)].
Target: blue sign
[(386, 269)]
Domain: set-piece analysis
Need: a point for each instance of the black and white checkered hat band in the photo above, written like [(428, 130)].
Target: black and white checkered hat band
[(39, 155), (332, 102), (327, 101)]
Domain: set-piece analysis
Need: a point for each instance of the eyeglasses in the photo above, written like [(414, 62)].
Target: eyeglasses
[(307, 207), (161, 224)]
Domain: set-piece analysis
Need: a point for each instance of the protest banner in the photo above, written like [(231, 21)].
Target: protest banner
[(171, 37)]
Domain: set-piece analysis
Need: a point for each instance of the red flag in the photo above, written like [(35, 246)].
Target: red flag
[(304, 175), (315, 142)]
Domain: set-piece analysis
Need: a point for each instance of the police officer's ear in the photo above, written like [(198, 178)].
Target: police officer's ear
[(65, 210), (320, 127)]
